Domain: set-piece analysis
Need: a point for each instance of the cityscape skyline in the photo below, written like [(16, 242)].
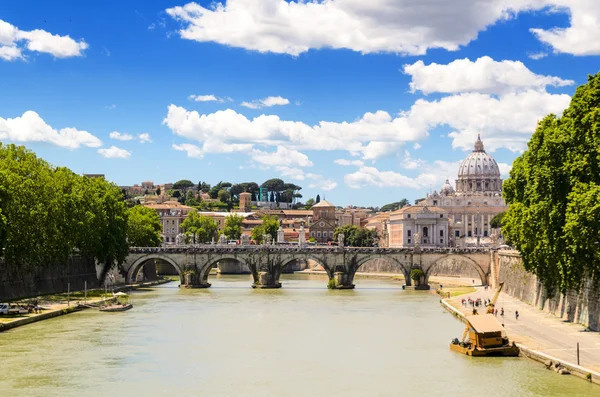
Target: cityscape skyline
[(172, 92)]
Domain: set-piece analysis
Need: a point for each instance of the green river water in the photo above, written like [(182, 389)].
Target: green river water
[(231, 340)]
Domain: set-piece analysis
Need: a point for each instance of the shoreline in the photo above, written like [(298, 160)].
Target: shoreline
[(541, 357), (77, 306)]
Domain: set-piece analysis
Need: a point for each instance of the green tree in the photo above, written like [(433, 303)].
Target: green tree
[(553, 194), (158, 191), (200, 228), (318, 200), (143, 227), (395, 206), (310, 203), (224, 196), (270, 225), (496, 221), (233, 227), (355, 236), (183, 185)]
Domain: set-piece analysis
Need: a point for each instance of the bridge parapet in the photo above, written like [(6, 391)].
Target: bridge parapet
[(308, 249)]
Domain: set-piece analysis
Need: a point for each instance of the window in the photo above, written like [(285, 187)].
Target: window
[(408, 216), (456, 233), (425, 232), (408, 233), (172, 230), (409, 241), (319, 234), (434, 202), (469, 234), (441, 215), (441, 241), (485, 233), (441, 233), (330, 234)]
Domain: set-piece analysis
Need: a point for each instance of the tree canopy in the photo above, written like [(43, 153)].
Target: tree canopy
[(356, 236), (183, 185), (496, 221), (395, 205), (143, 227), (233, 227), (553, 194), (47, 214), (269, 225), (199, 228)]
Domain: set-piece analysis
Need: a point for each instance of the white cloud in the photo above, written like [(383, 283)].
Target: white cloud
[(581, 37), (416, 146), (110, 107), (357, 163), (400, 26), (504, 169), (208, 98), (266, 102), (32, 128), (144, 138), (120, 137), (483, 76), (409, 163), (537, 55), (291, 172), (211, 146), (13, 41), (191, 150), (114, 152), (319, 182), (282, 157)]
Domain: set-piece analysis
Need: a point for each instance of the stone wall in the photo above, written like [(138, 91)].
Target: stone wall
[(581, 307), (48, 280), (380, 266)]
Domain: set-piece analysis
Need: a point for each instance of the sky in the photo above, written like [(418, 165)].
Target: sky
[(363, 103)]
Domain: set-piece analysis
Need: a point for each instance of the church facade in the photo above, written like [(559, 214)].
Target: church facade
[(462, 215)]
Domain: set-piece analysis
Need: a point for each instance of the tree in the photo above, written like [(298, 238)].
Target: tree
[(177, 194), (553, 192), (233, 227), (496, 221), (183, 185), (224, 196), (158, 191), (273, 185), (395, 206), (200, 228), (356, 236), (191, 200), (204, 187), (270, 225), (309, 203), (318, 200), (143, 227)]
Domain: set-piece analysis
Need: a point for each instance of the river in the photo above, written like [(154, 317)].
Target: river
[(231, 340)]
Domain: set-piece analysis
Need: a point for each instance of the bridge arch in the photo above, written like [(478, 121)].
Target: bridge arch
[(405, 270), (141, 261), (306, 257), (462, 258)]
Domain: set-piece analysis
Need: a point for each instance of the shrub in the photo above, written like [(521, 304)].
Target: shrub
[(416, 274)]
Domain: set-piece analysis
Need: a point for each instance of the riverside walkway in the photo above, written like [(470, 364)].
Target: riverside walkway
[(539, 330)]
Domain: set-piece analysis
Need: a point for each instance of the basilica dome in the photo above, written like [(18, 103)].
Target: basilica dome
[(479, 164), (447, 189), (479, 172)]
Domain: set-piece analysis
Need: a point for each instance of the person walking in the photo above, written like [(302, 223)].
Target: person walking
[(502, 311), (517, 314)]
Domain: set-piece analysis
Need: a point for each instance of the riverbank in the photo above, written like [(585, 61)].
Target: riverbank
[(540, 336), (57, 305)]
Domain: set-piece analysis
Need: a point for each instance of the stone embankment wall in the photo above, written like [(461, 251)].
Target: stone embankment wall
[(48, 280), (581, 307)]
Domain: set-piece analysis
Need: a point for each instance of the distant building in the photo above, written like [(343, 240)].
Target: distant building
[(172, 214), (245, 202), (418, 225), (323, 222)]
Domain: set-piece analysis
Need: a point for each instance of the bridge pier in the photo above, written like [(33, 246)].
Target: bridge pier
[(193, 279), (266, 280), (341, 280)]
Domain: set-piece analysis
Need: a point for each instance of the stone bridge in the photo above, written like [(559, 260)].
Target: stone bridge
[(266, 262)]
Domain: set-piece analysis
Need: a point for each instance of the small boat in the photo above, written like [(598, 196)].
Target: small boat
[(116, 307), (120, 305), (485, 336)]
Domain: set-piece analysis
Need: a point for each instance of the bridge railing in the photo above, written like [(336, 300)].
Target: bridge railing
[(306, 249)]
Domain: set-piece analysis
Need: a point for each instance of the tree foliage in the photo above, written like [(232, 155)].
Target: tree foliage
[(199, 228), (356, 236), (143, 227), (183, 185), (496, 221), (233, 227), (554, 192), (47, 214), (269, 225), (395, 205)]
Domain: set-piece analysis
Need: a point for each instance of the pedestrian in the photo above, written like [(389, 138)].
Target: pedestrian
[(502, 311), (517, 314)]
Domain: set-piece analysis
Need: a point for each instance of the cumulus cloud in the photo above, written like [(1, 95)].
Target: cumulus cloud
[(281, 157), (13, 41), (266, 102), (357, 163), (114, 152), (144, 138), (320, 182), (120, 137), (484, 76), (208, 98), (401, 26), (537, 55), (30, 127)]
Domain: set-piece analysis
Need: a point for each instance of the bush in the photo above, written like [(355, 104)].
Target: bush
[(416, 274)]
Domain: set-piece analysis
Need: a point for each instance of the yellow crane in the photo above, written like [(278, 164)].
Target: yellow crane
[(492, 304)]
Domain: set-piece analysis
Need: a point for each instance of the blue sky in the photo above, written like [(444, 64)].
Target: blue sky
[(364, 103)]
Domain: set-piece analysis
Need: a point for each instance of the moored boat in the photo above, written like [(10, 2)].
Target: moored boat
[(484, 336), (116, 307)]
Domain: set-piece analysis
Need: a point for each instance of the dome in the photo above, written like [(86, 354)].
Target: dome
[(478, 164), (447, 188)]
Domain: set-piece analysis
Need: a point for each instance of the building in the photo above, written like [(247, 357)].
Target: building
[(323, 222), (379, 223), (245, 202), (172, 214), (418, 226), (468, 209)]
